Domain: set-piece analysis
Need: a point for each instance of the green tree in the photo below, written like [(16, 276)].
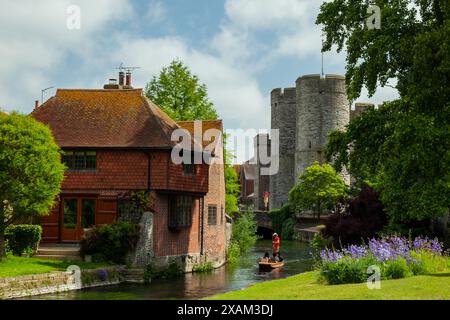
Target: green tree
[(319, 187), (178, 92), (182, 97), (31, 170), (244, 231), (402, 147), (232, 185)]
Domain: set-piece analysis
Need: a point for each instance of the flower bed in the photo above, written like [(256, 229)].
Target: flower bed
[(395, 257)]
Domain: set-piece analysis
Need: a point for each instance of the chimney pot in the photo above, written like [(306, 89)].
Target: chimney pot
[(121, 78), (36, 104), (128, 79)]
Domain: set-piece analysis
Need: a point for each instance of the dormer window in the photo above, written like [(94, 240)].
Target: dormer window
[(80, 160)]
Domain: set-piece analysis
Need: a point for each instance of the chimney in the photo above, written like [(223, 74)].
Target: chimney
[(121, 78), (36, 104), (128, 79), (112, 84)]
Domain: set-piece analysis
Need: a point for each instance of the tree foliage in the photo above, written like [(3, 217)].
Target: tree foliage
[(244, 231), (179, 93), (31, 170), (319, 187), (356, 219), (232, 185), (403, 147)]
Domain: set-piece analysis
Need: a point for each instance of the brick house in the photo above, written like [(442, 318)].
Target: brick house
[(116, 142)]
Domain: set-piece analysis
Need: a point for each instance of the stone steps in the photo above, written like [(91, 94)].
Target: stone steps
[(58, 257), (134, 275), (59, 253)]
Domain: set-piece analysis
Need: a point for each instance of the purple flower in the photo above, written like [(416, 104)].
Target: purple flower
[(328, 255), (103, 274), (433, 246), (355, 252), (387, 248)]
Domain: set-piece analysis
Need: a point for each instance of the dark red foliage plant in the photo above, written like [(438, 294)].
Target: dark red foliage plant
[(356, 219)]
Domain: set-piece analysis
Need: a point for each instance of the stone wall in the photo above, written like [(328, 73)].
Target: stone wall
[(305, 115), (144, 248), (23, 286), (283, 118), (322, 106)]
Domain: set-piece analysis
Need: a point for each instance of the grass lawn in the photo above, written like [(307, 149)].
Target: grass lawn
[(18, 266), (305, 287)]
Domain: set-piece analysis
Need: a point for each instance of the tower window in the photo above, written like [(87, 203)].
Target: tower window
[(310, 145)]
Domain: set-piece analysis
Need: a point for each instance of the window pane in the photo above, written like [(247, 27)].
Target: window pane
[(91, 160), (70, 213), (68, 159), (88, 213), (212, 215), (79, 161)]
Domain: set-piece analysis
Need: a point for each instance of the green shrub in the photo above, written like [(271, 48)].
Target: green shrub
[(23, 238), (428, 262), (110, 243), (346, 271), (318, 242), (244, 231), (203, 267), (396, 269), (283, 221), (171, 271), (233, 253)]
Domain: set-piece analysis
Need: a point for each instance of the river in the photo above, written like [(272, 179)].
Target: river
[(199, 285)]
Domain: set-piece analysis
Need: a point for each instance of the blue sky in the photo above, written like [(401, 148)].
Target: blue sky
[(241, 49)]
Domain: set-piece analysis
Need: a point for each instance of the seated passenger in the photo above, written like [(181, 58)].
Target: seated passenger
[(266, 257)]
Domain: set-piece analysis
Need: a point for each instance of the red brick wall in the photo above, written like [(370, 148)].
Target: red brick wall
[(116, 170), (214, 237), (167, 175), (167, 242), (128, 170)]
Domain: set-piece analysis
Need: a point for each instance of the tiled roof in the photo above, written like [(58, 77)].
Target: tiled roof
[(205, 125), (106, 119)]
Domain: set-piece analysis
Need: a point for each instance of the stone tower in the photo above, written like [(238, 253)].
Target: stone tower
[(305, 115), (283, 118), (322, 106)]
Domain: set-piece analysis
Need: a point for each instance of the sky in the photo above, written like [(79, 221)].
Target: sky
[(241, 50)]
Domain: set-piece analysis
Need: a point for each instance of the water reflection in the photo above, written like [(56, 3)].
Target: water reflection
[(195, 286)]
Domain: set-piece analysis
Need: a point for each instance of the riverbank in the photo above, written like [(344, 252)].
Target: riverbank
[(306, 287), (205, 284), (13, 266)]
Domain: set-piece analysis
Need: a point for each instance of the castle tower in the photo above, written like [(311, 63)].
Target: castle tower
[(322, 106), (360, 107), (283, 118)]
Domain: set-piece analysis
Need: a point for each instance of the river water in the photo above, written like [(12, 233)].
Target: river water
[(199, 285)]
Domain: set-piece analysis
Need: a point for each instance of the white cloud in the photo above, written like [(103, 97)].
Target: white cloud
[(35, 41), (156, 11), (263, 14), (234, 93), (382, 94)]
